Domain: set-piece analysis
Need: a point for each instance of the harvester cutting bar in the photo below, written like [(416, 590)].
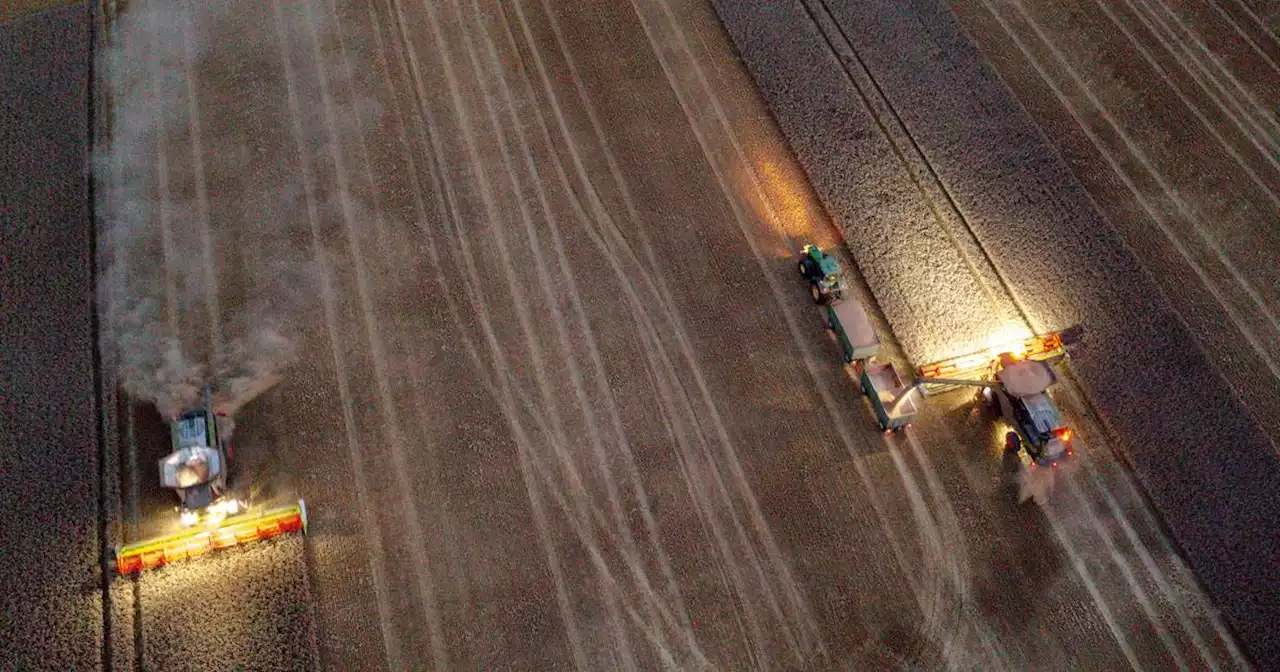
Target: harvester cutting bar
[(231, 532), (1043, 347)]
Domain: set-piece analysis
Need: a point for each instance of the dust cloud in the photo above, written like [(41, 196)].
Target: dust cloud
[(1038, 483), (208, 274)]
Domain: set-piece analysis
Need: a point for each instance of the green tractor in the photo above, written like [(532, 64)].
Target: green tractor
[(822, 271)]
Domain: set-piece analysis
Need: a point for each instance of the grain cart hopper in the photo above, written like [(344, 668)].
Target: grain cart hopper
[(893, 403), (1014, 381), (852, 327), (210, 515)]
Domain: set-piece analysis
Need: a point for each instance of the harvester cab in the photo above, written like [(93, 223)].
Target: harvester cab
[(822, 271), (1015, 382)]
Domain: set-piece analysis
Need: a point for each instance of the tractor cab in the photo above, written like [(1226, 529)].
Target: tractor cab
[(822, 271)]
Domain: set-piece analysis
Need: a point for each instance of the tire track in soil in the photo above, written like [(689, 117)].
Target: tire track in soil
[(1094, 427), (650, 337), (419, 386), (1266, 186), (1258, 22), (492, 388), (627, 542), (424, 583), (376, 557), (594, 549), (658, 363), (664, 372), (612, 230), (583, 323), (667, 390), (494, 221), (1195, 52), (1184, 209), (661, 374), (448, 212), (1239, 30)]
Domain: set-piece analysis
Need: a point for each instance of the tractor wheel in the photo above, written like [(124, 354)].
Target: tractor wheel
[(804, 269), (816, 294)]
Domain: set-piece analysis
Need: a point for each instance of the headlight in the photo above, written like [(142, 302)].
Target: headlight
[(190, 518), (226, 507)]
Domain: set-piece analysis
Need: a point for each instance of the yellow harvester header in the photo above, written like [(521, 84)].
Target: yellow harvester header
[(231, 532)]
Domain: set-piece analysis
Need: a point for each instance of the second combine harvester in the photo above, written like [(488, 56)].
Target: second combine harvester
[(1014, 381)]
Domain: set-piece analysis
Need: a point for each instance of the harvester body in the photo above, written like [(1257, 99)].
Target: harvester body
[(1021, 397), (211, 516), (1015, 383)]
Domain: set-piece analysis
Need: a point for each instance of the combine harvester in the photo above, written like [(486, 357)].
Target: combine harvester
[(1015, 380), (211, 517)]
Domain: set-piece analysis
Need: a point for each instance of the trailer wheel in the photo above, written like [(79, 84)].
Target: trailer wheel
[(1012, 442)]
